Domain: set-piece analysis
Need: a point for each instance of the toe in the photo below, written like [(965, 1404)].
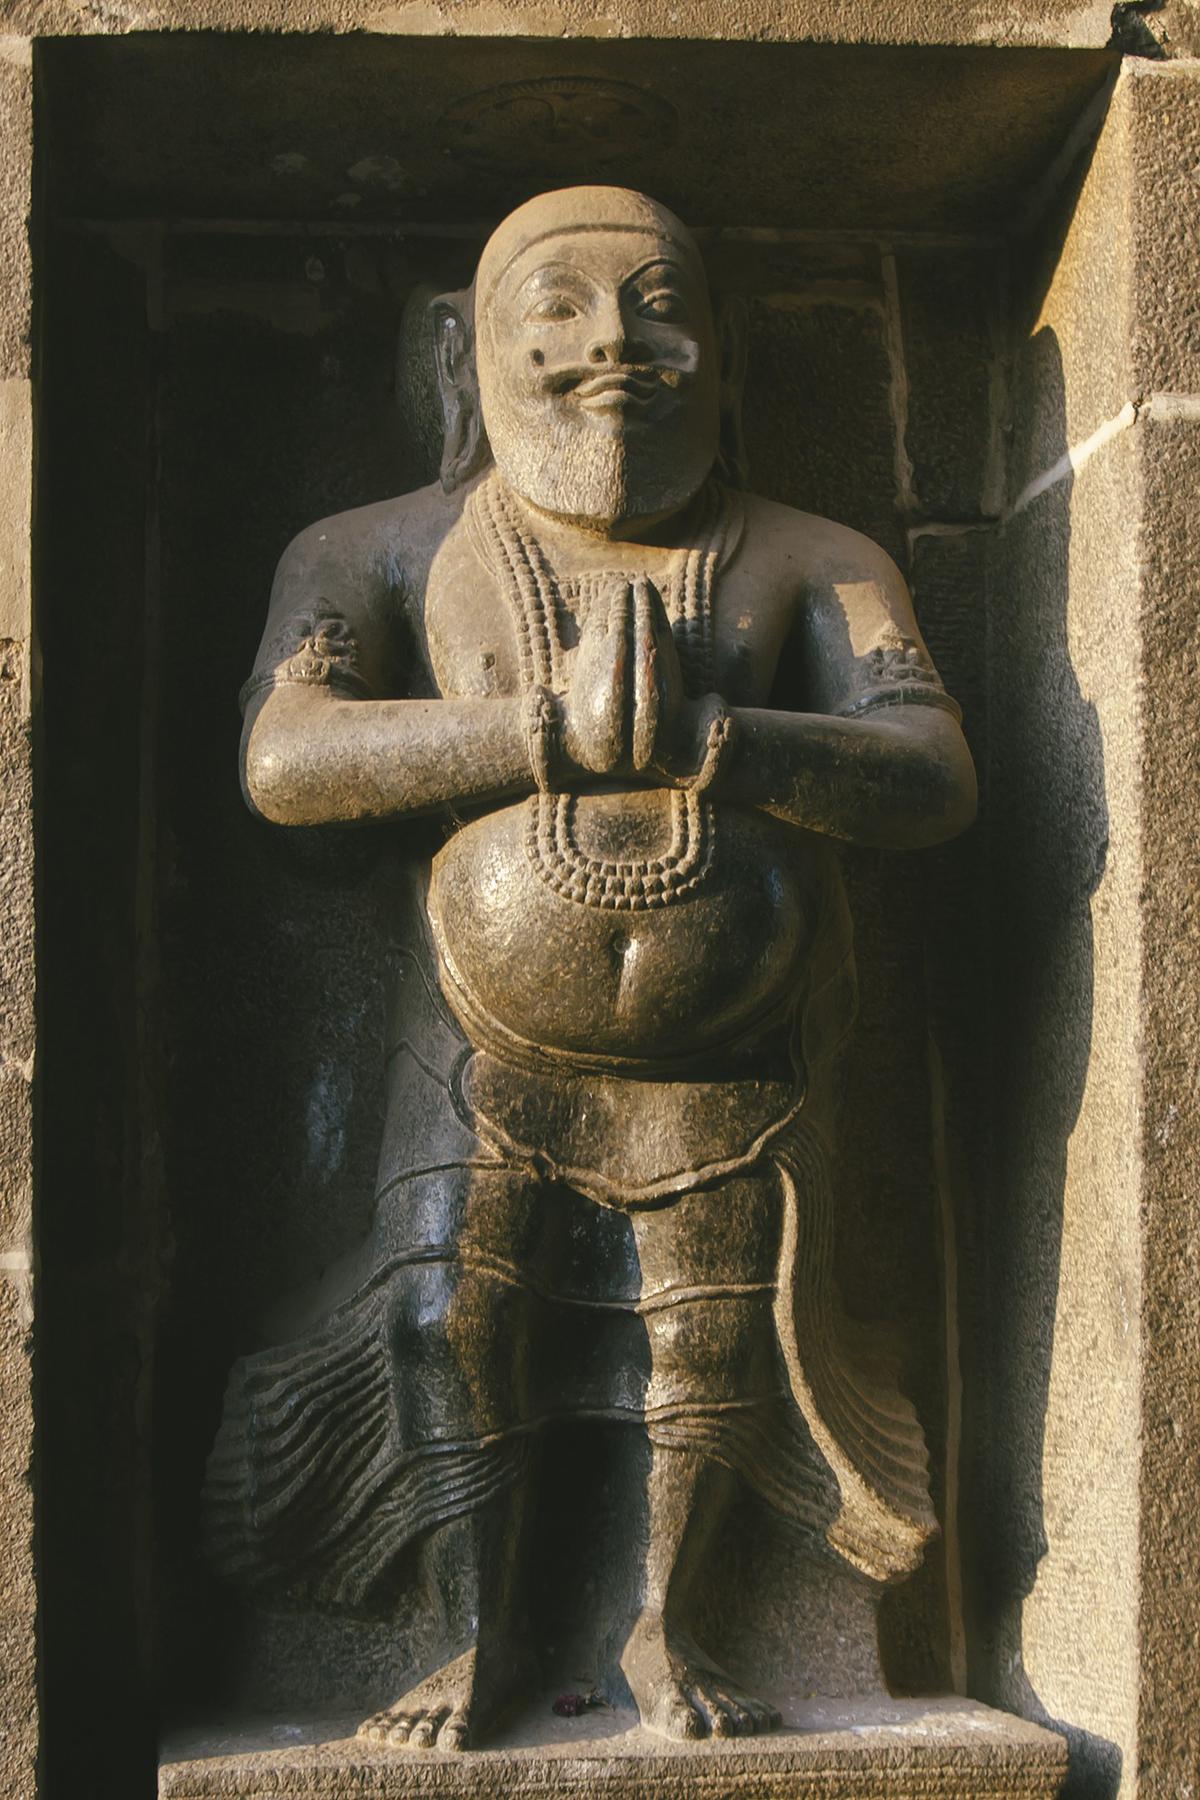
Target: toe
[(398, 1729), (675, 1718), (733, 1719), (705, 1703), (425, 1731), (454, 1734)]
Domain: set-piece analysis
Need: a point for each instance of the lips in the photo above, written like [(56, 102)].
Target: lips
[(616, 388)]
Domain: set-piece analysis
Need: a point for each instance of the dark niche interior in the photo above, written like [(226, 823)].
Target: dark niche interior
[(237, 239)]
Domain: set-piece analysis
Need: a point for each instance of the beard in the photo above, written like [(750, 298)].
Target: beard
[(600, 471)]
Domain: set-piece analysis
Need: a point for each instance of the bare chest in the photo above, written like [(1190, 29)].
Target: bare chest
[(501, 616)]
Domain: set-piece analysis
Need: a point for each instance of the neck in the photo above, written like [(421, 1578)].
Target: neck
[(659, 529)]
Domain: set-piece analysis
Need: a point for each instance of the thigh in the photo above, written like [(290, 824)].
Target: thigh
[(489, 1210), (709, 1264), (727, 1235)]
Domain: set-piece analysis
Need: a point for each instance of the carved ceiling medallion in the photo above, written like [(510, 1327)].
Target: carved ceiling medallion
[(559, 120)]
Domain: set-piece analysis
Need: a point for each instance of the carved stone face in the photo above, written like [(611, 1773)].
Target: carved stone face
[(598, 365)]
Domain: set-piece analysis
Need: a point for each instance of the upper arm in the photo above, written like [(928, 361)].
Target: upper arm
[(862, 648), (329, 620)]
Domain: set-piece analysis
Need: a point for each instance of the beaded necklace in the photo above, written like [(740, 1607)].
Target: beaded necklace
[(540, 603)]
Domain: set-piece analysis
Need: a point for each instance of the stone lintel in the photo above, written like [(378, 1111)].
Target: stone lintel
[(1071, 24)]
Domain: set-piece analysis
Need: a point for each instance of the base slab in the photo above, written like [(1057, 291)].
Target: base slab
[(876, 1749)]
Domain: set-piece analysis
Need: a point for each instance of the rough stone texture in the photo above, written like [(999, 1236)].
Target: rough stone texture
[(19, 1724), (1164, 129), (16, 163), (1169, 1610), (900, 1750), (1165, 335), (1072, 23), (18, 1590), (18, 1671), (18, 1593), (16, 459)]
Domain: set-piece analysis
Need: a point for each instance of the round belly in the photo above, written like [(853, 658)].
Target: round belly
[(637, 927)]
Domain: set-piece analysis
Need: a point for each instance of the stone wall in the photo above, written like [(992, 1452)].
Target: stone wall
[(1085, 1442), (18, 683)]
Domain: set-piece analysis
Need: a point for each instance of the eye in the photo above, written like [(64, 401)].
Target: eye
[(554, 309), (663, 304)]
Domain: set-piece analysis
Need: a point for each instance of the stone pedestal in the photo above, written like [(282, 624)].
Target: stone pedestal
[(871, 1750)]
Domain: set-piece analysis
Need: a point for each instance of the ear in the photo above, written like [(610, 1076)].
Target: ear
[(732, 332), (464, 443)]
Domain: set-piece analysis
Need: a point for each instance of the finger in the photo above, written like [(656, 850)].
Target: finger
[(620, 607), (646, 677), (622, 677), (596, 697), (657, 608)]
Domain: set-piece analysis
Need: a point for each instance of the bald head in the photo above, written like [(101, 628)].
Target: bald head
[(596, 355), (574, 213)]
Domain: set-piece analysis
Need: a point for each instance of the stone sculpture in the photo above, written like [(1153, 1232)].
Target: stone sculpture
[(641, 702)]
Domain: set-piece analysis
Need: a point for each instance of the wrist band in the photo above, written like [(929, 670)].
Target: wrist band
[(541, 723), (719, 737)]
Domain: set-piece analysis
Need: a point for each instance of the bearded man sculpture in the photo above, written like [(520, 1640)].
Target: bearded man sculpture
[(604, 1186)]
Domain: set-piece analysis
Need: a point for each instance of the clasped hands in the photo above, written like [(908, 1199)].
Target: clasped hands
[(625, 711)]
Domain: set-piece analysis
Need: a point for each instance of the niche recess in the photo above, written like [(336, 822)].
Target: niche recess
[(235, 239)]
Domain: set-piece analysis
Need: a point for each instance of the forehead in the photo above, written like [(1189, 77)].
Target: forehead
[(604, 256)]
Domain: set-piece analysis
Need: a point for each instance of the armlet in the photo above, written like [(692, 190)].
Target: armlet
[(314, 651), (900, 674)]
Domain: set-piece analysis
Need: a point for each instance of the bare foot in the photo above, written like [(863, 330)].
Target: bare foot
[(454, 1707), (682, 1694)]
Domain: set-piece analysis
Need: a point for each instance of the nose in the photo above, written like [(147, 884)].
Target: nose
[(606, 348), (609, 342)]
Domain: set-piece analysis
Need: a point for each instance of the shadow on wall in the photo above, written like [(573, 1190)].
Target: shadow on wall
[(1048, 834)]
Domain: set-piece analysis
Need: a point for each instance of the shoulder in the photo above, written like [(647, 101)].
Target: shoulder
[(813, 551), (387, 544)]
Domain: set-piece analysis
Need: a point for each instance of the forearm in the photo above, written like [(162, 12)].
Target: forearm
[(311, 758), (901, 777)]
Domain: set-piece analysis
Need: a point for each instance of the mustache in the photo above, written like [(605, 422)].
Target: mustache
[(641, 378)]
